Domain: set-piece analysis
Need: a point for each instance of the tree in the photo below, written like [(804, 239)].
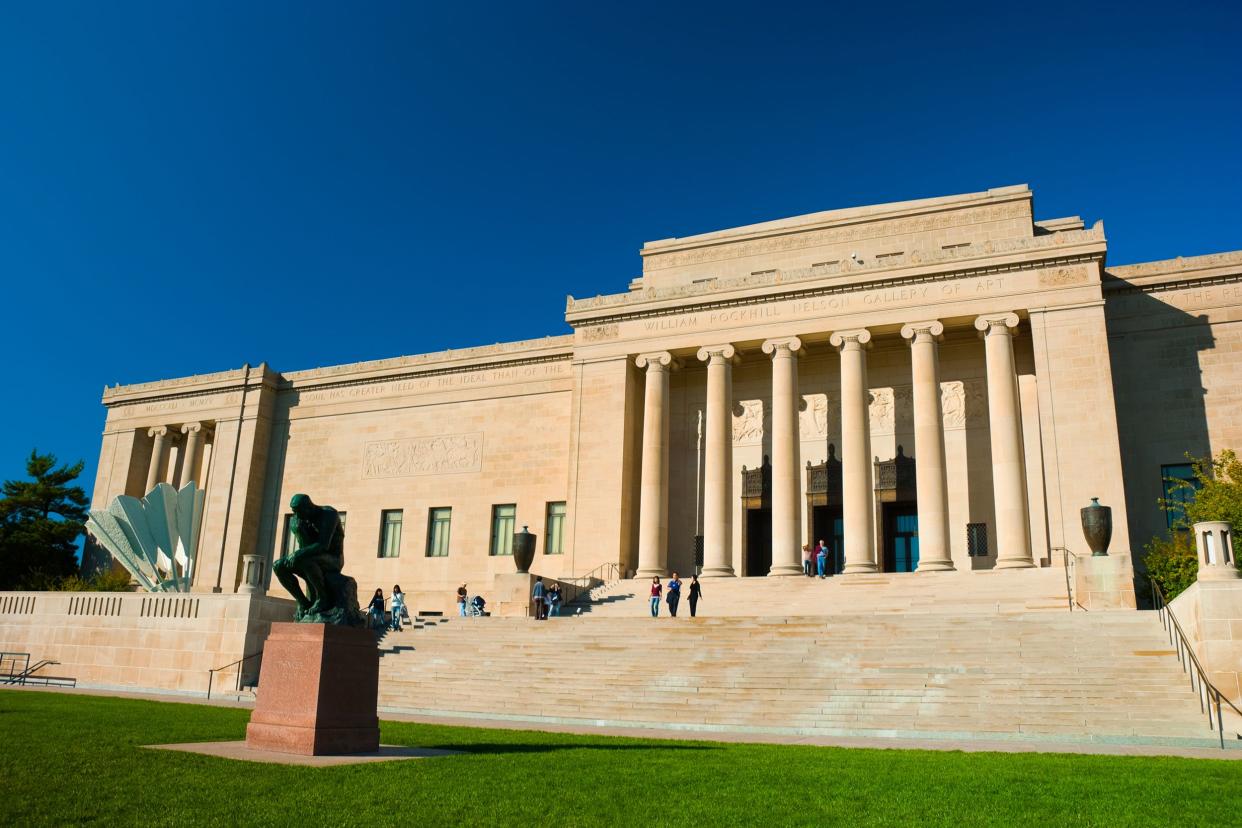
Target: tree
[(1220, 490), (40, 521)]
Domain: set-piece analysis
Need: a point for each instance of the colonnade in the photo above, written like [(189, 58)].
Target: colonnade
[(858, 497), (191, 440)]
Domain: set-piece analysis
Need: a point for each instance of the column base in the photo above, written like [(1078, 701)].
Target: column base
[(785, 570), (651, 573), (1015, 563), (935, 566), (717, 572), (859, 569)]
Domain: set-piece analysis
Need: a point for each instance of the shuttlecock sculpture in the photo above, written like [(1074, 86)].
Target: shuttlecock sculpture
[(155, 538)]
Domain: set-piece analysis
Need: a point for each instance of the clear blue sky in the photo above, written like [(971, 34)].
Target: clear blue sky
[(441, 175)]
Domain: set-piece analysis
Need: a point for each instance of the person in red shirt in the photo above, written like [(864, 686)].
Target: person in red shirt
[(656, 589)]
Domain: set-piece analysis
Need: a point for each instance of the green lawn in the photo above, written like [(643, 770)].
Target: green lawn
[(70, 759)]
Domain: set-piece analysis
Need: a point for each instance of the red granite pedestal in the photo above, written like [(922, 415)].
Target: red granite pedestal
[(318, 691)]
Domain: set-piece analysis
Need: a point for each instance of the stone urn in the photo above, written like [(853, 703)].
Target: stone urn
[(523, 550), (1097, 527)]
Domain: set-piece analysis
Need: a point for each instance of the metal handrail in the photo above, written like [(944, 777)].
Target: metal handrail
[(1206, 691), (1069, 561), (605, 573), (211, 674)]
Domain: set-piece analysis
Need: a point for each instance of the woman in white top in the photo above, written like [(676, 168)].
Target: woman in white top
[(398, 607)]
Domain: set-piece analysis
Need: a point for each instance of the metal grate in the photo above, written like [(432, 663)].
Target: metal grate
[(977, 540)]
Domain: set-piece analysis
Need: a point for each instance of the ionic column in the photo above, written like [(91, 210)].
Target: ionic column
[(718, 462), (931, 479), (786, 514), (1013, 541), (653, 491), (193, 440), (155, 472), (857, 496)]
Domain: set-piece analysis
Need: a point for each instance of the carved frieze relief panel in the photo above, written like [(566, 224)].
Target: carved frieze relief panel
[(446, 454), (750, 422), (813, 417)]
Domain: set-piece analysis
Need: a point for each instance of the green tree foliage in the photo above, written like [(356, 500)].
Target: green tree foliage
[(1220, 490), (40, 521), (1172, 561)]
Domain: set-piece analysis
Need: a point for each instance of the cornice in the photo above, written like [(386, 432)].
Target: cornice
[(920, 266)]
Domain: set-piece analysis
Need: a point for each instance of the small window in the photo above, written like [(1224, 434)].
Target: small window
[(503, 519), (763, 273), (438, 523), (1180, 487), (957, 246), (892, 255), (977, 540), (554, 531), (390, 533)]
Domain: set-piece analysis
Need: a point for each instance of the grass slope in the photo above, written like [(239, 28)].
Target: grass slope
[(78, 760)]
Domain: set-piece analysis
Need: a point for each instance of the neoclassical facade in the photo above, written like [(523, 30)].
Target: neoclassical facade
[(928, 385)]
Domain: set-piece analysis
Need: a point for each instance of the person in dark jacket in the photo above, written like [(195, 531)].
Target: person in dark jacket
[(376, 609), (674, 594), (696, 592)]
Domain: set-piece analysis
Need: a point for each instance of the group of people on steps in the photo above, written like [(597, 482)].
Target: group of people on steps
[(673, 596)]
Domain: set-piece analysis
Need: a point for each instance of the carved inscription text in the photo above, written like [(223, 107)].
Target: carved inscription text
[(448, 454)]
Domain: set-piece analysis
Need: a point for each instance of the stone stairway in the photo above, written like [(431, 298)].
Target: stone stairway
[(986, 591), (994, 662)]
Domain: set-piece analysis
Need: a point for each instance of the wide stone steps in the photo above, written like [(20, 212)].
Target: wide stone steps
[(1011, 675)]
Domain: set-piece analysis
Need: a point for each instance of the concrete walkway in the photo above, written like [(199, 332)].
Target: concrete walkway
[(1234, 752)]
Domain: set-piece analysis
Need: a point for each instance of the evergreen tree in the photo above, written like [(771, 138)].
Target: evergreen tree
[(40, 521)]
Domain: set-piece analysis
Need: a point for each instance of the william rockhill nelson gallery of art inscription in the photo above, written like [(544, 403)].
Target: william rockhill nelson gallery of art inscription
[(926, 385)]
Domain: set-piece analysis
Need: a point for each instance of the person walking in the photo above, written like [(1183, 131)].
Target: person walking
[(554, 600), (398, 607), (461, 600), (656, 589), (674, 594), (536, 596), (375, 610), (696, 592), (806, 559), (821, 559)]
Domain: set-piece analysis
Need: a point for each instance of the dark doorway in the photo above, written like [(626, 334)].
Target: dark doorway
[(829, 527), (901, 537), (758, 542)]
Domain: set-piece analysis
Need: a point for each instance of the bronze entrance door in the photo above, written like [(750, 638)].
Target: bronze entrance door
[(758, 560)]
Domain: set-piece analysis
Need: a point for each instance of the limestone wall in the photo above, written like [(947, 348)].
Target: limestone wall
[(139, 640), (1210, 613)]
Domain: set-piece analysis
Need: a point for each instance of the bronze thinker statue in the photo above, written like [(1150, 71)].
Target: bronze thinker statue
[(330, 597)]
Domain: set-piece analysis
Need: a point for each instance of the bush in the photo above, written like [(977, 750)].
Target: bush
[(1172, 563), (109, 581)]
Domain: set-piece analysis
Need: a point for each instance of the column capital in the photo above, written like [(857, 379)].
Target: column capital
[(782, 344), (996, 323), (157, 431), (191, 428), (717, 353), (932, 330), (656, 360), (842, 339)]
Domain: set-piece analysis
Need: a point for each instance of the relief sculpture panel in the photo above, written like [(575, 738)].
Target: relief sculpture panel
[(447, 454), (813, 417), (964, 403), (748, 422)]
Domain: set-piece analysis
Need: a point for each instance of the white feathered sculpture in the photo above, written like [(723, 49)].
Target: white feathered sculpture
[(155, 538)]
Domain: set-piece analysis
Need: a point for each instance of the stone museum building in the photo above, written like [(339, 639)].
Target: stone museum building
[(929, 385)]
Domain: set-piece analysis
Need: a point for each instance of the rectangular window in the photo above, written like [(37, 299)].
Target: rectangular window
[(438, 522), (1179, 485), (288, 543), (977, 540), (554, 530), (390, 533), (503, 518)]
